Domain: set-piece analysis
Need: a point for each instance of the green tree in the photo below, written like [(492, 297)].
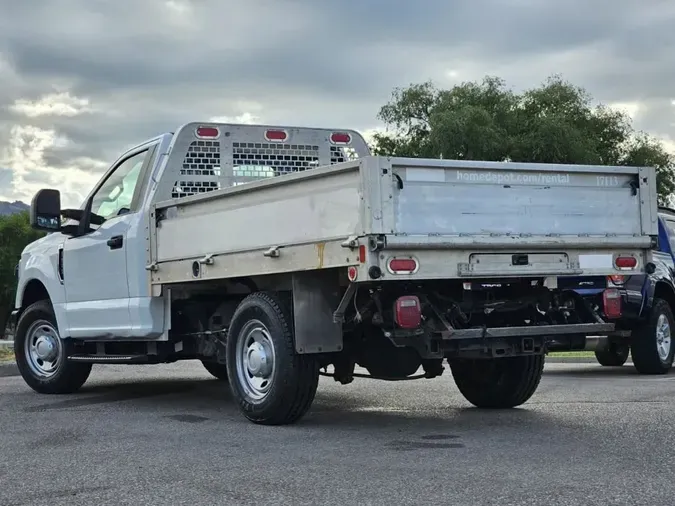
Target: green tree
[(15, 234), (555, 122)]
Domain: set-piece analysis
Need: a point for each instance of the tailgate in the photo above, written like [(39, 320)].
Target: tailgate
[(450, 198)]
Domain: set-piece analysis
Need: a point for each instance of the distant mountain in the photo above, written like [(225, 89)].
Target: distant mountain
[(7, 208)]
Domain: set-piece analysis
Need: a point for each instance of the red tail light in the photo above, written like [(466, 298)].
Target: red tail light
[(407, 312), (402, 265), (276, 135), (207, 132), (611, 300), (625, 262)]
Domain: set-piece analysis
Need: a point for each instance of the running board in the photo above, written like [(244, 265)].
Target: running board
[(109, 359)]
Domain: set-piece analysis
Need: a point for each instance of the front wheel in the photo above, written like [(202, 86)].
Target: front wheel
[(651, 344), (41, 353), (614, 356), (272, 384), (499, 382)]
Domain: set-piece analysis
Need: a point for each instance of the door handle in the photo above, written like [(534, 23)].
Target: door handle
[(115, 242)]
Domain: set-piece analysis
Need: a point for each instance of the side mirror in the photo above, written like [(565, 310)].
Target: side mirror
[(45, 211)]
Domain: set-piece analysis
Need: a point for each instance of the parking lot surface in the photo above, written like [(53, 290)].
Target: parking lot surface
[(171, 435)]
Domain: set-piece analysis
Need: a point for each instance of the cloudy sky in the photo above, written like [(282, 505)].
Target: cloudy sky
[(83, 80)]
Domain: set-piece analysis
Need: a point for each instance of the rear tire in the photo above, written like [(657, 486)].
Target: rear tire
[(216, 369), (272, 384), (652, 343), (498, 383), (614, 356), (41, 354)]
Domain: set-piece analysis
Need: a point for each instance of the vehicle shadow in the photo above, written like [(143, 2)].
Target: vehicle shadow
[(198, 400), (598, 371)]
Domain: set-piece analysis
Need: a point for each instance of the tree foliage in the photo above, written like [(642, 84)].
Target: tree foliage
[(553, 123), (15, 235)]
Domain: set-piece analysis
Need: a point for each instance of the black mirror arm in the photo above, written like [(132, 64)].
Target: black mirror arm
[(85, 220)]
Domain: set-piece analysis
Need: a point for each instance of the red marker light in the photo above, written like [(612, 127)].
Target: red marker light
[(402, 265), (340, 138), (362, 253), (207, 132), (276, 135), (625, 262)]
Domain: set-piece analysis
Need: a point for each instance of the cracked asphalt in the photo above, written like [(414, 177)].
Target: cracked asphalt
[(172, 435)]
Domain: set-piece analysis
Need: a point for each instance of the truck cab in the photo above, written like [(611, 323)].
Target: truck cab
[(93, 271)]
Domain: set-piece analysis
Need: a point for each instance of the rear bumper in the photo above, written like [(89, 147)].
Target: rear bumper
[(596, 329)]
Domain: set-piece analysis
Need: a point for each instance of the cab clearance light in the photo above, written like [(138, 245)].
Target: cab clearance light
[(340, 138), (207, 132), (276, 135)]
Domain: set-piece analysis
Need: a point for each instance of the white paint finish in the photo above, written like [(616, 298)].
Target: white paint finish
[(135, 248), (95, 277), (147, 317), (39, 261), (596, 261)]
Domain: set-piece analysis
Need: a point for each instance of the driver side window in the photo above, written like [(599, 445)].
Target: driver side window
[(116, 194)]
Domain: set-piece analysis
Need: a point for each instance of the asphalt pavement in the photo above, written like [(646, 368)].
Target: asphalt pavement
[(171, 435)]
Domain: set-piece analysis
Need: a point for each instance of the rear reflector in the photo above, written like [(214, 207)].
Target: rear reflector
[(625, 262), (402, 265), (611, 300), (276, 135), (407, 312), (362, 253), (352, 273), (340, 138), (207, 132)]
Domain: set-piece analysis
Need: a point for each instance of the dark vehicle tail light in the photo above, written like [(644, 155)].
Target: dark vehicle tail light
[(617, 279), (408, 312), (611, 300)]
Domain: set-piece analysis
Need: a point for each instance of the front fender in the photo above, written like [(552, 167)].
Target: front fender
[(39, 263)]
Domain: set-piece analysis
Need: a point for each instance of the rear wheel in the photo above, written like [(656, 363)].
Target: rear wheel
[(272, 384), (498, 383), (216, 369), (614, 356), (41, 355), (652, 343)]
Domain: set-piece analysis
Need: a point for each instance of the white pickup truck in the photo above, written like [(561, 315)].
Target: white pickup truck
[(273, 253)]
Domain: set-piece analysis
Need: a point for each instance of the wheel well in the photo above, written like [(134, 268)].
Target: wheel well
[(34, 291), (665, 291)]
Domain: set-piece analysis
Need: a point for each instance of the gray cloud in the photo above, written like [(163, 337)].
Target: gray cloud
[(147, 66)]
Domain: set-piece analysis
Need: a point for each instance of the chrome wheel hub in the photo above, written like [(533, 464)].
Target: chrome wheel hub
[(663, 339), (43, 349), (255, 359)]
